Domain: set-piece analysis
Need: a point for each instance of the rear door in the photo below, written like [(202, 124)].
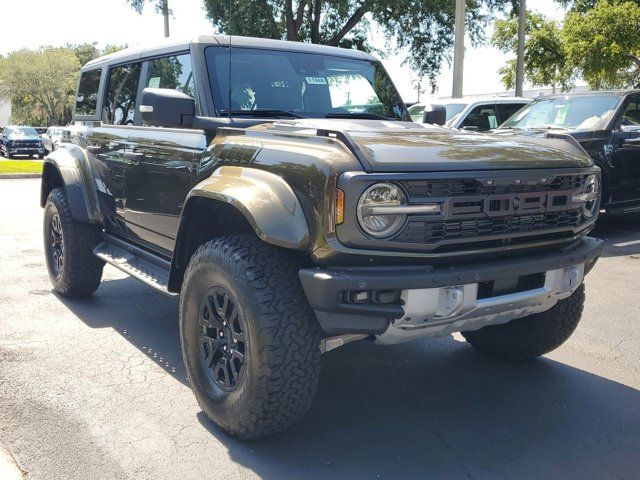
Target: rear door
[(106, 143), (162, 161), (626, 152)]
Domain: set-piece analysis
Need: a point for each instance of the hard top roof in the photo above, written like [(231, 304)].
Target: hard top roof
[(169, 46)]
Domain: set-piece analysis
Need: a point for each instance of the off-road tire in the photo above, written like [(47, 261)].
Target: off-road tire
[(81, 270), (526, 338), (281, 375)]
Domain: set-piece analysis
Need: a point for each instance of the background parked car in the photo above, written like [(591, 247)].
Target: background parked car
[(52, 138), (479, 113), (21, 140), (607, 126)]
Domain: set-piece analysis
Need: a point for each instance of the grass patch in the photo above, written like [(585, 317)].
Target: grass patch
[(20, 166)]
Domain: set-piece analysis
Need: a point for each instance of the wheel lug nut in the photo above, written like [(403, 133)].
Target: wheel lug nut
[(224, 348), (221, 334)]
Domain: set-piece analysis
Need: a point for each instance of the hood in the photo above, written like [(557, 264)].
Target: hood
[(22, 138), (390, 146)]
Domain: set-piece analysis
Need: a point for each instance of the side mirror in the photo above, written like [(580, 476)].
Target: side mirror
[(165, 107), (434, 114)]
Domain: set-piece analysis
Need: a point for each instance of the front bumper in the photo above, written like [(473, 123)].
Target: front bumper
[(329, 291)]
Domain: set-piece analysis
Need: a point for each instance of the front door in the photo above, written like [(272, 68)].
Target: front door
[(626, 153), (158, 181), (162, 162)]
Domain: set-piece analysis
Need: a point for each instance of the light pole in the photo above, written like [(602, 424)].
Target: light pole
[(165, 13), (522, 13), (458, 49)]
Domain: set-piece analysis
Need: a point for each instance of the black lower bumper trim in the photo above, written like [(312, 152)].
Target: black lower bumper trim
[(323, 287)]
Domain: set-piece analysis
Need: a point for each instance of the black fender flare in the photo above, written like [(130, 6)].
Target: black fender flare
[(68, 167)]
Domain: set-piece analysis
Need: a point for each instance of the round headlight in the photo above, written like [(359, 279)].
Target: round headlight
[(592, 196), (371, 210)]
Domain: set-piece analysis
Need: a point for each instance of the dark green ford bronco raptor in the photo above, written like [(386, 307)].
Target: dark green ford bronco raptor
[(282, 193)]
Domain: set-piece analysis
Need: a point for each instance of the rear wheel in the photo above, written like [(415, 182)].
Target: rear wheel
[(249, 339), (68, 244), (530, 337)]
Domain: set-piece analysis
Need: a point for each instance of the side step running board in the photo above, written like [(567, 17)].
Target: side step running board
[(140, 264)]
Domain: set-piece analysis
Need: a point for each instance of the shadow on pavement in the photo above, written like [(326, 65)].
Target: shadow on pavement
[(428, 409)]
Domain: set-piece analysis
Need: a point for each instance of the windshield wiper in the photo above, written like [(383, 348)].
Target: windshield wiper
[(362, 115), (263, 112)]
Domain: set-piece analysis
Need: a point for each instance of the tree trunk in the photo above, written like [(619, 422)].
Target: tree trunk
[(352, 22)]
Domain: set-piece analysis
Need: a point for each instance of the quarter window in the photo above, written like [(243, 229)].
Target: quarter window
[(88, 87), (122, 93), (172, 72)]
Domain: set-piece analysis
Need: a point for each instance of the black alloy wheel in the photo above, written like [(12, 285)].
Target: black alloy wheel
[(56, 245), (223, 343)]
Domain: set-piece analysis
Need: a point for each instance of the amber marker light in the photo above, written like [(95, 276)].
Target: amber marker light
[(339, 206)]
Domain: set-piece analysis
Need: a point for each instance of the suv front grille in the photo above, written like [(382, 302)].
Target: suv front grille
[(492, 212), (470, 186), (421, 231)]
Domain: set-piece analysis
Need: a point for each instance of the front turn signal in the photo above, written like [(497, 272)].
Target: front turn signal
[(339, 206)]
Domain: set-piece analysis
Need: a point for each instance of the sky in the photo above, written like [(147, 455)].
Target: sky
[(115, 22)]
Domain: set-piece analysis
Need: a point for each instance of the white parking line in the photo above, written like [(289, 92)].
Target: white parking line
[(8, 468), (627, 244)]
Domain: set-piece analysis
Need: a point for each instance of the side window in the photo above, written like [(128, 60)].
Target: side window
[(122, 92), (172, 72), (483, 117), (87, 98), (631, 114), (506, 110)]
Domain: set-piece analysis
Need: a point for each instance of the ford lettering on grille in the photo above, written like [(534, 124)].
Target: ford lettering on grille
[(507, 204)]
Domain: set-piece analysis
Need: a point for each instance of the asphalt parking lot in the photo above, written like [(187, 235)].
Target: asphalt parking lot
[(95, 388)]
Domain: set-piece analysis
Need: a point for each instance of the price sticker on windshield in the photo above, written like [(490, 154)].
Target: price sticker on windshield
[(316, 80)]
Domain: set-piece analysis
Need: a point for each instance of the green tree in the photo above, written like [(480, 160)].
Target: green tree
[(423, 27), (603, 42), (40, 83), (545, 61)]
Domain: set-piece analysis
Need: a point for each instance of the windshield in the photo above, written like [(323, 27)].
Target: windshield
[(23, 132), (589, 112), (280, 83)]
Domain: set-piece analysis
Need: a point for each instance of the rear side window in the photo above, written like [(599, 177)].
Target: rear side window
[(122, 94), (172, 72), (88, 88)]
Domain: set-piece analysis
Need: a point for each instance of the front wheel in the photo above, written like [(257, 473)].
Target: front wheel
[(532, 336), (68, 245), (250, 341)]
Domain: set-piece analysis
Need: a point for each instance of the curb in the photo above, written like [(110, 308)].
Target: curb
[(20, 175), (9, 470)]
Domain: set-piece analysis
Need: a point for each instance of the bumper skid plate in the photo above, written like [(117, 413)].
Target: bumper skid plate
[(441, 300)]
